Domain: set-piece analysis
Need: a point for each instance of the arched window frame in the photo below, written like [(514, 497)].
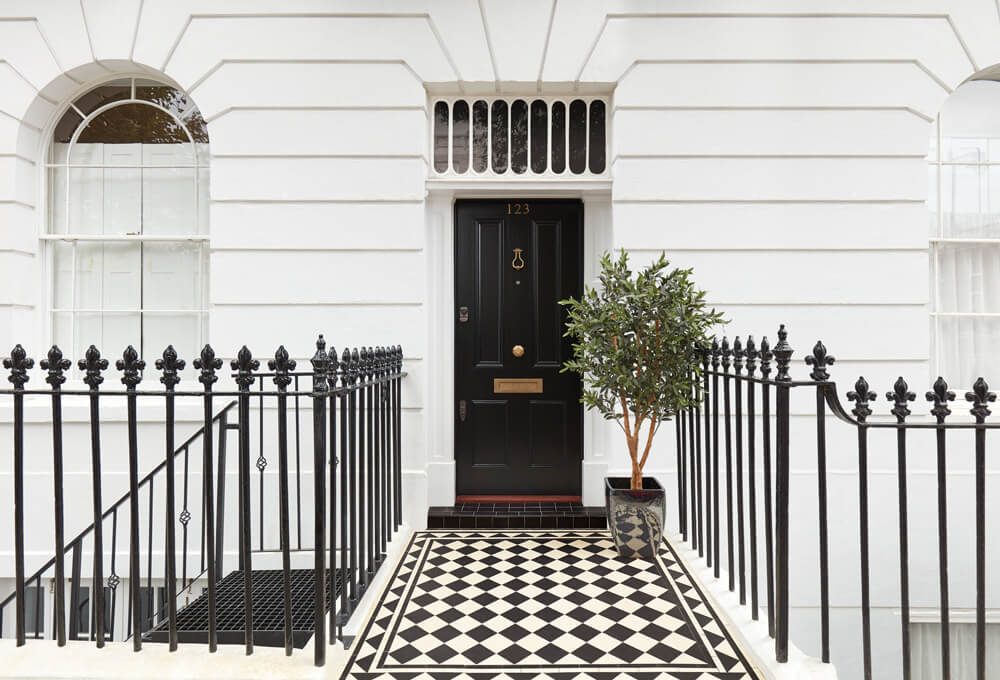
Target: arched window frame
[(944, 184), (55, 233)]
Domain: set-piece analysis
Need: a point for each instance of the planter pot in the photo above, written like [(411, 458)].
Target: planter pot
[(635, 517)]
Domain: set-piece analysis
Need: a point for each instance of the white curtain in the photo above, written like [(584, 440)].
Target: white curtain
[(925, 651)]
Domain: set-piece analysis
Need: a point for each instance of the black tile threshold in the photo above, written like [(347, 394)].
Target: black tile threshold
[(528, 515)]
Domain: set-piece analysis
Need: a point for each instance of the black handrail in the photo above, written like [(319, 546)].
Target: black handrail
[(121, 501)]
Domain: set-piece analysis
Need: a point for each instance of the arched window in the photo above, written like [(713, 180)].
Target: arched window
[(128, 221), (965, 233)]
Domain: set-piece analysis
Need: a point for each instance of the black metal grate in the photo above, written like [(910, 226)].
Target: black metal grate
[(268, 610)]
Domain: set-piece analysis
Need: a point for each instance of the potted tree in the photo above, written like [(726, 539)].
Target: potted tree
[(636, 340)]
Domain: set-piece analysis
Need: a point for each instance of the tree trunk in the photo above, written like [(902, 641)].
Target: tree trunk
[(636, 476)]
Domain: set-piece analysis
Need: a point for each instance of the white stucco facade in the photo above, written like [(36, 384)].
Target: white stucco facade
[(776, 148)]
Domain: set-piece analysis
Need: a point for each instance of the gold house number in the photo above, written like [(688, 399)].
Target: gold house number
[(518, 208)]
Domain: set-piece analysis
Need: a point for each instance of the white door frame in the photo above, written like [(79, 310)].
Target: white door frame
[(440, 363)]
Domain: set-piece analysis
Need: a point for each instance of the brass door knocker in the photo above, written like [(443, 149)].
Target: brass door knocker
[(518, 262)]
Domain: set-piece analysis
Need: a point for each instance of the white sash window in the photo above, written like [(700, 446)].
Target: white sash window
[(964, 171), (128, 225)]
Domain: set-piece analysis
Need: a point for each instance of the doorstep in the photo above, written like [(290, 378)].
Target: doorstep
[(517, 515)]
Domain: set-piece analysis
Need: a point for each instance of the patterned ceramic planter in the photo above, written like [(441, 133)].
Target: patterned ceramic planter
[(635, 517)]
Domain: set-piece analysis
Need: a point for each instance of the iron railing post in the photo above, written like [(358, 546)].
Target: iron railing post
[(18, 362), (171, 366), (207, 364), (244, 364), (320, 366), (55, 364), (281, 365), (783, 355)]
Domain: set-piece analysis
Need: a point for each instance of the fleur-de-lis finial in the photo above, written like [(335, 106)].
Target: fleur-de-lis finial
[(940, 395), (55, 364), (320, 364), (171, 366), (92, 364), (208, 365), (19, 363), (281, 365), (244, 364), (980, 396), (355, 365), (716, 352), (899, 395), (131, 367), (751, 354), (819, 360), (705, 348), (765, 357), (727, 354), (738, 356), (861, 395)]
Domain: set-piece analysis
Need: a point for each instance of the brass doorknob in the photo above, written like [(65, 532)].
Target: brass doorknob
[(517, 351)]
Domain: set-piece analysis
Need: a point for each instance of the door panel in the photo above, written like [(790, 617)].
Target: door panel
[(514, 261)]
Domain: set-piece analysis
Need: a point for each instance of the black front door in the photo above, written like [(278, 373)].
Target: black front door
[(518, 419)]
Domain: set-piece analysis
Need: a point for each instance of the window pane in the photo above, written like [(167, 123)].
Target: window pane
[(480, 136), (107, 275), (441, 137), (133, 123), (577, 136), (460, 136), (519, 136), (105, 94), (66, 126), (499, 123), (558, 137), (170, 200), (970, 196), (62, 275), (539, 135), (597, 159), (969, 278), (172, 275)]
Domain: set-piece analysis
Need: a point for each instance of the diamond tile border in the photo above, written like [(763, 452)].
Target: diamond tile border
[(433, 620)]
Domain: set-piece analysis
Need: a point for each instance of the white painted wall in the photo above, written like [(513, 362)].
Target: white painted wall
[(777, 149)]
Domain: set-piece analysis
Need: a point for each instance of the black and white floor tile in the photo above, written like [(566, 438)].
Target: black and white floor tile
[(486, 605)]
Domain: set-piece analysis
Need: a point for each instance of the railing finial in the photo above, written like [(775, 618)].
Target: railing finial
[(55, 364), (207, 364), (738, 356), (980, 396), (727, 353), (131, 367), (92, 364), (783, 356), (765, 357), (244, 364), (752, 355), (281, 365), (940, 395), (171, 366), (819, 360), (321, 365), (19, 363), (899, 395), (861, 395), (716, 352)]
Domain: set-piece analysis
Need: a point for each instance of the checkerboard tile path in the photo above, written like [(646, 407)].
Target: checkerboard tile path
[(483, 605)]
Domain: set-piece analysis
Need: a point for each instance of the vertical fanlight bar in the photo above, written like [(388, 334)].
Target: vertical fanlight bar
[(558, 137), (460, 136), (499, 128), (480, 136), (538, 137), (519, 136), (597, 152), (577, 136), (441, 137)]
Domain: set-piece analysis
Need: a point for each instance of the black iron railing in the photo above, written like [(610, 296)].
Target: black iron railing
[(355, 401), (740, 456)]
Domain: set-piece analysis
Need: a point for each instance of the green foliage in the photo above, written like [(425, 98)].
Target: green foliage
[(636, 344)]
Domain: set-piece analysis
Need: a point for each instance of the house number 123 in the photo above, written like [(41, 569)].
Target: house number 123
[(518, 208)]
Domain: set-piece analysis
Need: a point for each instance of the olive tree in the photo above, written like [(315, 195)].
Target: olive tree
[(636, 341)]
